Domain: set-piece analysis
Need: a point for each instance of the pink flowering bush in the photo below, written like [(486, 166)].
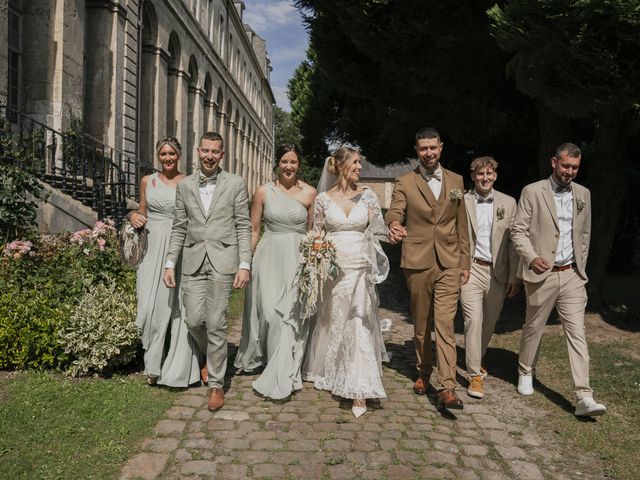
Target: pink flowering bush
[(18, 248), (61, 268)]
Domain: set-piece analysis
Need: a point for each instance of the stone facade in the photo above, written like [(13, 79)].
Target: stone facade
[(133, 70)]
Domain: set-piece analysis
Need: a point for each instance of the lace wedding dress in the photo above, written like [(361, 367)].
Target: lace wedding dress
[(346, 349)]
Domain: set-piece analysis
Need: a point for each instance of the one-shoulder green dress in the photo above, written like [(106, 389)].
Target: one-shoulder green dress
[(271, 334)]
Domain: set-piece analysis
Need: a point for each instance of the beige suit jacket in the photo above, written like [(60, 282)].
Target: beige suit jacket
[(504, 256), (435, 228), (535, 230), (223, 233)]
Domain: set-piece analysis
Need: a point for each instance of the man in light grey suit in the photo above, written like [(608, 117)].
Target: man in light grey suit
[(551, 232), (212, 230), (493, 267)]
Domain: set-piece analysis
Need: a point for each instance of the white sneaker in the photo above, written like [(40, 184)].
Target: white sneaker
[(525, 384), (588, 407)]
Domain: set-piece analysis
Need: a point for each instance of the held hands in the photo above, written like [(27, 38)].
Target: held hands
[(138, 220), (242, 278), (539, 265), (464, 276), (396, 232), (169, 277)]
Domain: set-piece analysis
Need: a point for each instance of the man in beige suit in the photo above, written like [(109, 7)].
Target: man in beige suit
[(551, 232), (211, 228), (493, 269), (427, 214)]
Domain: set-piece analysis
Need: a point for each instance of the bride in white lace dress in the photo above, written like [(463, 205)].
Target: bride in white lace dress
[(346, 349)]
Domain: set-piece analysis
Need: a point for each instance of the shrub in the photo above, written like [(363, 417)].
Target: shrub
[(102, 333), (29, 327), (19, 188)]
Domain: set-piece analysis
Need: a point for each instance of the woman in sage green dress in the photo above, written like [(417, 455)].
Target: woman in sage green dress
[(271, 335), (171, 356)]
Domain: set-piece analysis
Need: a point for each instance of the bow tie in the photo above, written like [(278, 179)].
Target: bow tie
[(488, 199), (436, 174), (560, 189), (204, 180)]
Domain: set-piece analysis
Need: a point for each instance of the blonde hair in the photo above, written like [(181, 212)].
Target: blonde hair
[(341, 159), (171, 141), (481, 162)]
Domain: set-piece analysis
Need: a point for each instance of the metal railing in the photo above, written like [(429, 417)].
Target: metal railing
[(96, 175)]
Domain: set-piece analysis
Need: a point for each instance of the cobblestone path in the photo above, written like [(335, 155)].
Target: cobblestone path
[(313, 436)]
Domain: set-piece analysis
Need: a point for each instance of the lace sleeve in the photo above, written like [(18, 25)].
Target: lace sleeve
[(376, 226), (376, 231), (319, 207)]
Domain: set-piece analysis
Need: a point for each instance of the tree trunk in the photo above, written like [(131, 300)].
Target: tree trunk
[(608, 181), (554, 130)]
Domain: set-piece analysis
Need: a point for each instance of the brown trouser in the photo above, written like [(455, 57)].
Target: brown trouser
[(434, 299)]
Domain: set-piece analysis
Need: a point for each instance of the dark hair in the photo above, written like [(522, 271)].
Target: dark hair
[(213, 136), (427, 132), (572, 150), (286, 148)]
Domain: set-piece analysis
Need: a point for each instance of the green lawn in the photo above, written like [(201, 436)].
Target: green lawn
[(615, 379), (55, 428)]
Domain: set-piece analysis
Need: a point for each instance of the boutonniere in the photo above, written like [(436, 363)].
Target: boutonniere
[(456, 194), (580, 205), (500, 213)]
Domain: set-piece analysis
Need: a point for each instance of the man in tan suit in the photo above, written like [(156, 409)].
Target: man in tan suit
[(427, 214), (493, 269), (211, 228), (551, 232)]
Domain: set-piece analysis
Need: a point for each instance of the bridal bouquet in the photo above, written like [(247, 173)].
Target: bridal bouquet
[(317, 265)]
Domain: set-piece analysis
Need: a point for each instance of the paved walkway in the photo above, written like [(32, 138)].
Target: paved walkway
[(313, 436)]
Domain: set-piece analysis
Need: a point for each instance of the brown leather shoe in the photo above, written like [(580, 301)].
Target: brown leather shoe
[(422, 385), (448, 399), (216, 399), (204, 375)]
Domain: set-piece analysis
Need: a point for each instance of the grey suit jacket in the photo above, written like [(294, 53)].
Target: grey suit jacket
[(503, 253), (535, 230), (223, 233)]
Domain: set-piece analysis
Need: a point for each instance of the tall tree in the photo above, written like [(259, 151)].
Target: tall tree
[(389, 67), (579, 60)]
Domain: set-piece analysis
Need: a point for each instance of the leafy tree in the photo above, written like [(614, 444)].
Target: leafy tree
[(386, 68), (579, 60), (19, 188)]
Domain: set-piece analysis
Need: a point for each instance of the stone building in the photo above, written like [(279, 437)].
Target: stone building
[(130, 71), (382, 179)]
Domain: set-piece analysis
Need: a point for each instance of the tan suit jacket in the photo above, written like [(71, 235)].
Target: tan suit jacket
[(535, 230), (223, 233), (504, 256), (435, 228)]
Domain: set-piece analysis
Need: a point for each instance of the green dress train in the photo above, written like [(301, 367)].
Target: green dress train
[(271, 335)]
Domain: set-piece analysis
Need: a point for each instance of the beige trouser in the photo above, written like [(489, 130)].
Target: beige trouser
[(481, 300), (205, 297), (434, 298), (566, 291)]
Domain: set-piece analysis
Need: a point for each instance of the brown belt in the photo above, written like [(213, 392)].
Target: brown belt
[(563, 267), (481, 262)]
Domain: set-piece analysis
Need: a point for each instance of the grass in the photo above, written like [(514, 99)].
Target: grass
[(615, 379), (55, 428)]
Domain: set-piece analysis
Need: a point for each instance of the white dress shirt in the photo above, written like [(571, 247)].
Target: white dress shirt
[(435, 184), (484, 216), (564, 211), (206, 194)]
